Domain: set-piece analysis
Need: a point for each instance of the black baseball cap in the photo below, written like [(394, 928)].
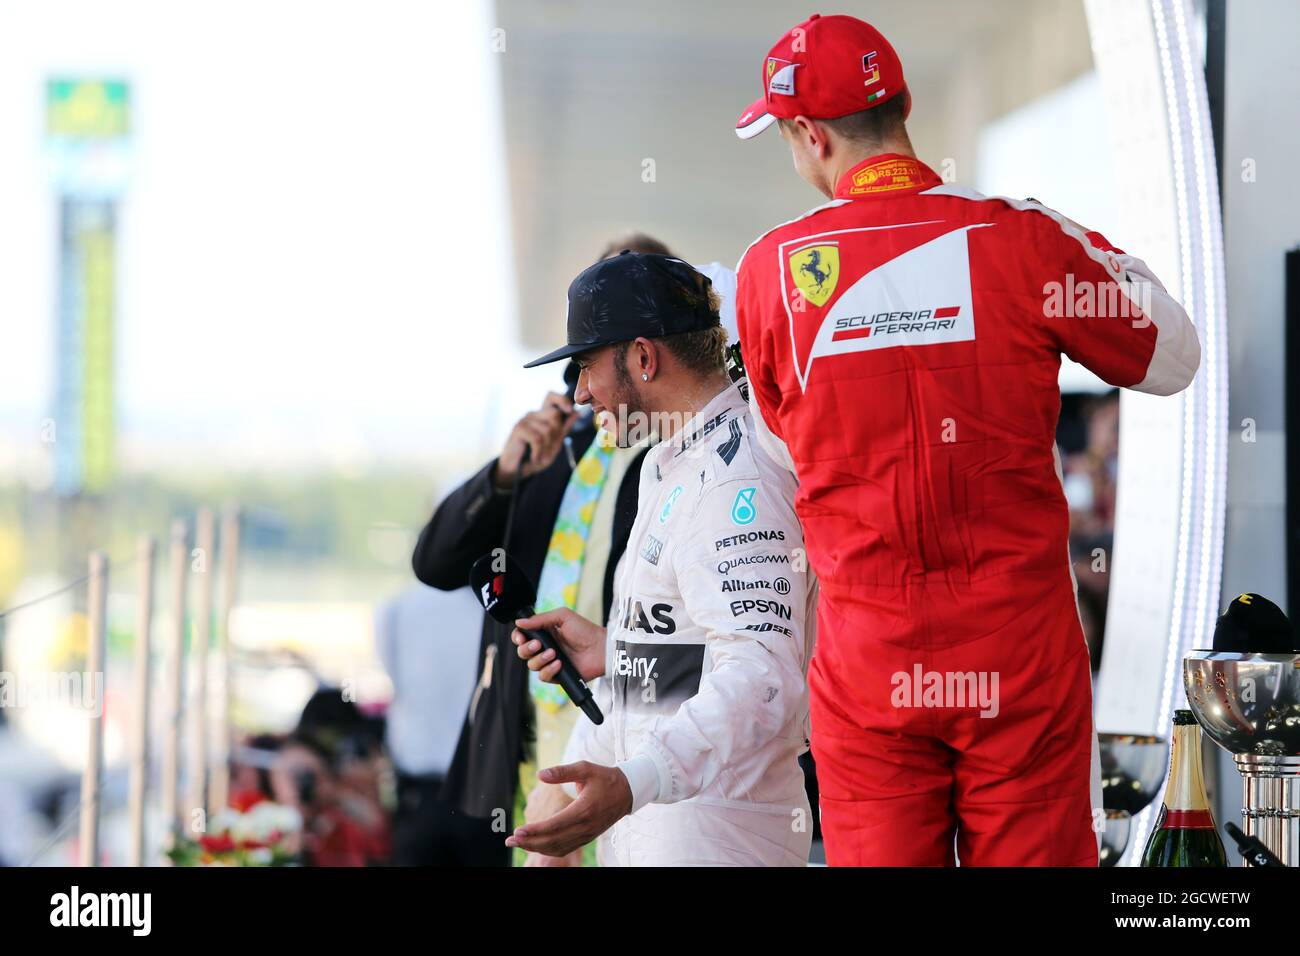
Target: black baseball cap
[(630, 295), (1253, 624)]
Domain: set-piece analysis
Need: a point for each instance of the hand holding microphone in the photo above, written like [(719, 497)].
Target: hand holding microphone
[(564, 648), (507, 594), (583, 642), (535, 441)]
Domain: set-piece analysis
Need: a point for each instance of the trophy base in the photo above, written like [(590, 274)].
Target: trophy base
[(1271, 790)]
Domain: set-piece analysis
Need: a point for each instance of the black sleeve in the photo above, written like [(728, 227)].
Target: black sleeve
[(467, 525)]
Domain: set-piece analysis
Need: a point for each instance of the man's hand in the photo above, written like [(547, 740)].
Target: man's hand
[(546, 800), (582, 640), (604, 798), (543, 431)]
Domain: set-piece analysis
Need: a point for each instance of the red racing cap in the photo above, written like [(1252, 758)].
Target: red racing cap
[(825, 68)]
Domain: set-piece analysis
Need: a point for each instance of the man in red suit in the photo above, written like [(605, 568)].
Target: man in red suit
[(903, 343)]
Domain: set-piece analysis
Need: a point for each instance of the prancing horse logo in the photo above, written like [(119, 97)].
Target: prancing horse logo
[(816, 270)]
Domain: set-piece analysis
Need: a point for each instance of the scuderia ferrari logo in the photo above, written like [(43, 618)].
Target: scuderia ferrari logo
[(816, 270), (853, 302)]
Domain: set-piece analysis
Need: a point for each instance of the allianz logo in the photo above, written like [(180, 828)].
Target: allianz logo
[(625, 665), (780, 585)]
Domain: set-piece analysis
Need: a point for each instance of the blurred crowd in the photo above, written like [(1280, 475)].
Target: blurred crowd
[(333, 769), (1088, 436)]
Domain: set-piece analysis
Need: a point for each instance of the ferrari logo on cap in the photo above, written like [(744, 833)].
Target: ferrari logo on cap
[(815, 270), (780, 76)]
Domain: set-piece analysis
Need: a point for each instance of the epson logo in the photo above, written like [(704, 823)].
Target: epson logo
[(749, 537), (625, 665), (724, 567), (760, 605)]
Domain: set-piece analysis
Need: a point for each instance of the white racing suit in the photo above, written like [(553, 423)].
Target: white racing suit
[(709, 642)]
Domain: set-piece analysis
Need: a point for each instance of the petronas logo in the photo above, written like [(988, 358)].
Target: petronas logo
[(742, 509)]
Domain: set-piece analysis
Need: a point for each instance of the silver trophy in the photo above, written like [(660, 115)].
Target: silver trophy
[(1249, 704), (1132, 768)]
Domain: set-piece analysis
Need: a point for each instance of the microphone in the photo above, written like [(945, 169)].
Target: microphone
[(1254, 625), (1252, 849), (508, 594)]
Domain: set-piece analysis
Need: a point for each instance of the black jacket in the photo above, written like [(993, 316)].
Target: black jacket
[(484, 773)]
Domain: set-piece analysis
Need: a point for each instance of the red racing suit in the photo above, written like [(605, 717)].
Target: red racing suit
[(903, 342)]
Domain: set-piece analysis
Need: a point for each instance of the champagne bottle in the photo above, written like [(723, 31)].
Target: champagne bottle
[(1185, 834)]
